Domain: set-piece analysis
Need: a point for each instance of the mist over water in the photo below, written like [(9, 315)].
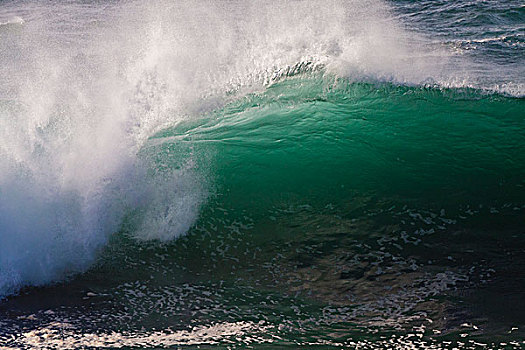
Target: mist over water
[(157, 138)]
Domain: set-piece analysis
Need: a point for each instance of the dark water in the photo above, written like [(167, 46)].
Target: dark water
[(223, 175)]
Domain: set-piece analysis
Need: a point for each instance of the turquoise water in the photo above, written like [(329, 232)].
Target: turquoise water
[(311, 185)]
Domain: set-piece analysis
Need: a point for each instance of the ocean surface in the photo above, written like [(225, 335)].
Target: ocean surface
[(262, 174)]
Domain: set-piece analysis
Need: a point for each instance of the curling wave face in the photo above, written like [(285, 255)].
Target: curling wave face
[(84, 90), (84, 93)]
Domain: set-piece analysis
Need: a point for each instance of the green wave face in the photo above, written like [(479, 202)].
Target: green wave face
[(317, 140), (339, 214), (348, 212)]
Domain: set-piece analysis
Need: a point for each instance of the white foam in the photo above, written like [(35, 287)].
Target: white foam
[(59, 336), (12, 20)]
